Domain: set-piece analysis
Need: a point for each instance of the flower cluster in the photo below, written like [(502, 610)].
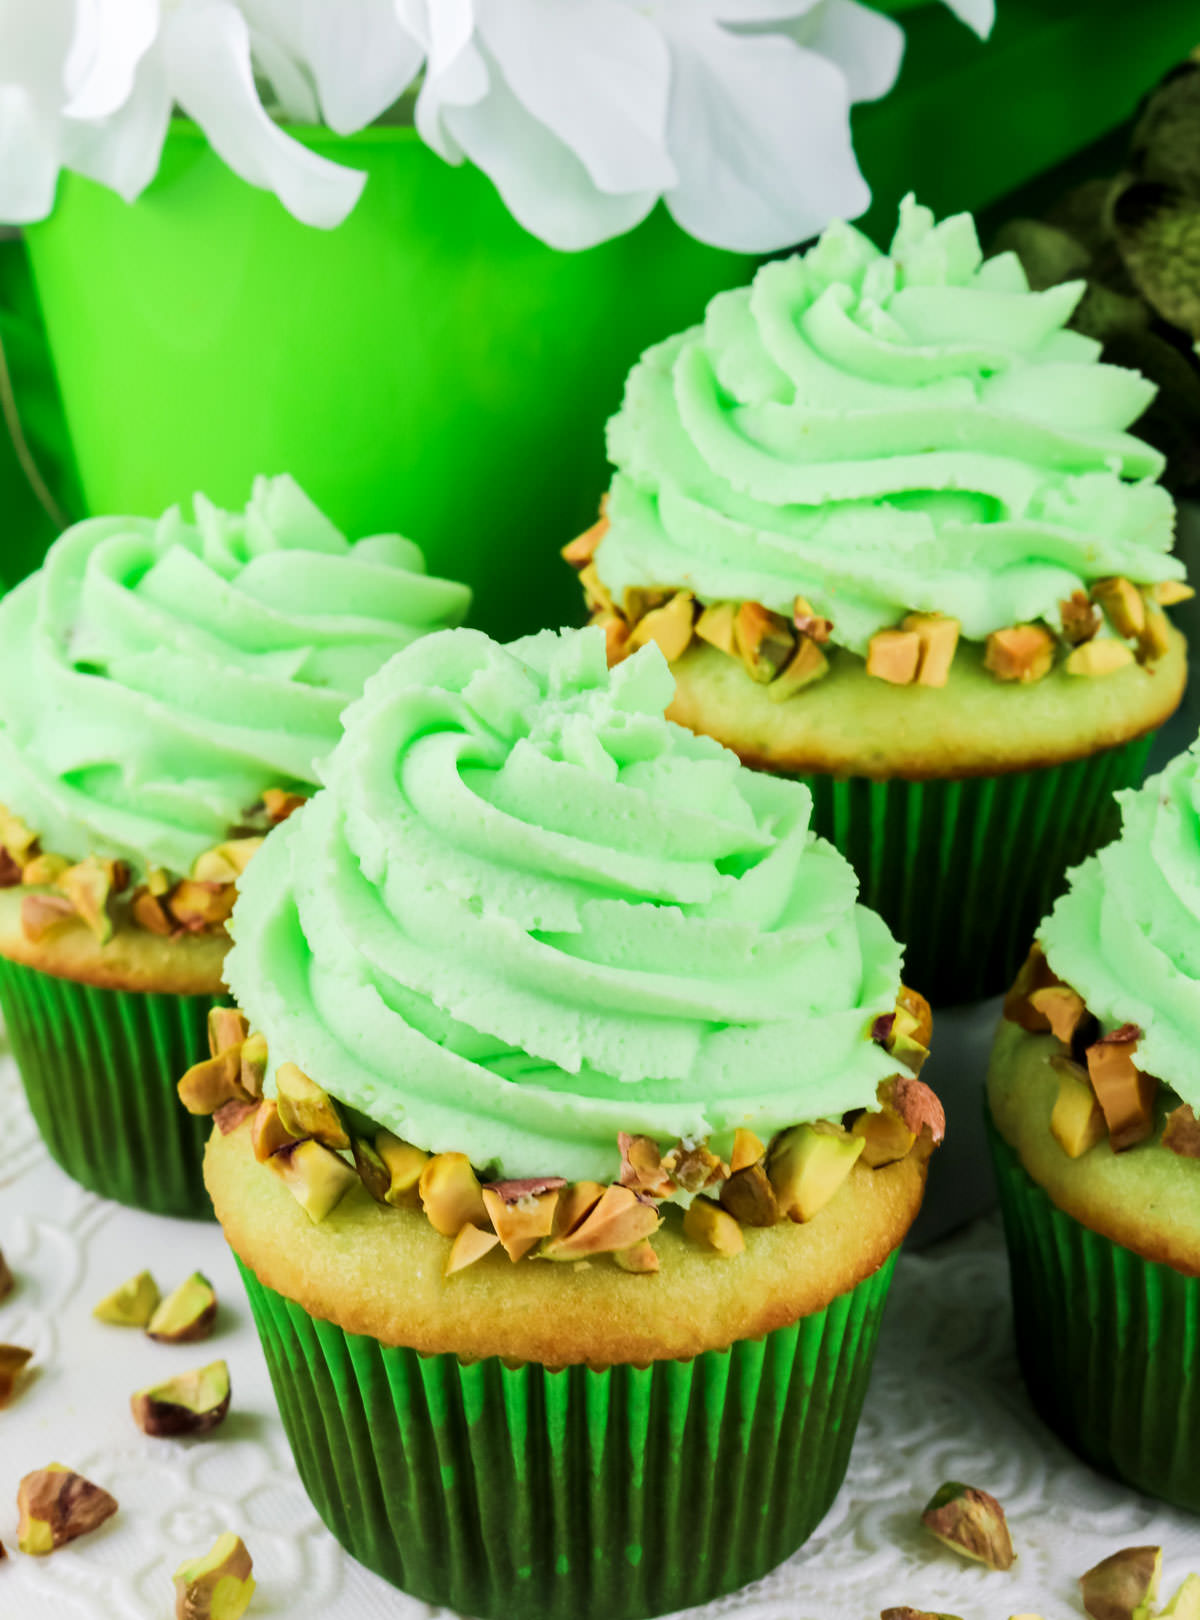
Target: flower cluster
[(583, 112)]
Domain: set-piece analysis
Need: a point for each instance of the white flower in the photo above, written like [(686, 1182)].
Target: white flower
[(583, 112)]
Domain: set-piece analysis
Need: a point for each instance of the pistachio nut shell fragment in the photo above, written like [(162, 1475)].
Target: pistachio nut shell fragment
[(218, 1586), (57, 1506), (193, 1403), (186, 1315), (306, 1109), (971, 1523), (130, 1305), (13, 1361), (1124, 1585)]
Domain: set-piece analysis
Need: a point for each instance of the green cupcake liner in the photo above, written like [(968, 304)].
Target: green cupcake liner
[(1107, 1341), (100, 1068), (522, 1493), (963, 871)]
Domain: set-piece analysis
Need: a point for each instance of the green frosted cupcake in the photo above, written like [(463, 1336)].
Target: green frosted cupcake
[(592, 1135), (882, 513), (1092, 1094), (166, 690)]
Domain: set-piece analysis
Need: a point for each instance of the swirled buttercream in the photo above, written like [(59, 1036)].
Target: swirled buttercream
[(157, 675), (886, 433), (1126, 935), (527, 912)]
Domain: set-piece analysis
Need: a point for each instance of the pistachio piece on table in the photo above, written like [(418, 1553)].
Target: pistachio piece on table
[(1122, 1586), (187, 1314), (57, 1506), (218, 1586), (970, 1522), (193, 1403), (6, 1278), (13, 1361), (130, 1305)]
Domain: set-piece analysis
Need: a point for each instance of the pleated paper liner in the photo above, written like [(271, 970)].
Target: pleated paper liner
[(521, 1493), (963, 871), (100, 1068), (1108, 1342)]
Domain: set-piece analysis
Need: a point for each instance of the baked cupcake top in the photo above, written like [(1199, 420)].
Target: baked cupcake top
[(862, 445), (1126, 936), (157, 676), (526, 914)]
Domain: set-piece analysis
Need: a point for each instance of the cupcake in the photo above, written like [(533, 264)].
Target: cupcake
[(166, 689), (1093, 1095), (591, 1132), (881, 513)]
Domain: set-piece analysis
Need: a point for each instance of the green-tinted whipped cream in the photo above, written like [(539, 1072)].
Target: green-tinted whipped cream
[(527, 912), (157, 676), (886, 433), (1126, 936)]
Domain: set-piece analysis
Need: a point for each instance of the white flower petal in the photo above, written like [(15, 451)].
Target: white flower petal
[(977, 14), (293, 95), (866, 45), (461, 81), (124, 150), (28, 157), (596, 75), (359, 54), (111, 38), (760, 133), (209, 72), (544, 185)]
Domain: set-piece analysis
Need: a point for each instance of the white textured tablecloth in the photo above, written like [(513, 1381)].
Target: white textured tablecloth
[(945, 1403)]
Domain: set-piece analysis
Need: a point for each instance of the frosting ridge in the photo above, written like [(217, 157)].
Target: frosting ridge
[(527, 912), (157, 675), (882, 434)]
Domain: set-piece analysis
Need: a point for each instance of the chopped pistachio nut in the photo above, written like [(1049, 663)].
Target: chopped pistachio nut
[(11, 874), (279, 804), (196, 906), (218, 1586), (582, 549), (148, 912), (57, 1506), (807, 1166), (212, 1082), (1123, 604), (1181, 1134), (938, 635), (894, 656), (1170, 592), (307, 1110), (808, 664), (13, 1361), (596, 594), (715, 625), (1154, 642), (917, 1614), (917, 1105), (1124, 1585), (748, 1149), (638, 600), (642, 1165), (450, 1194), (192, 1403), (42, 913), (470, 1245), (17, 837), (669, 627), (1077, 1121), (130, 1305), (750, 1198), (315, 1176), (226, 1028), (765, 641), (618, 1219), (1023, 653), (90, 886), (809, 623), (6, 1278), (577, 1202), (640, 1260), (270, 1135), (1104, 656), (714, 1228), (1062, 1008), (1035, 973), (971, 1523), (1124, 1093), (232, 1114), (44, 870), (522, 1212), (616, 637), (886, 1138), (1080, 618), (254, 1064), (1185, 1605), (187, 1314), (693, 1168)]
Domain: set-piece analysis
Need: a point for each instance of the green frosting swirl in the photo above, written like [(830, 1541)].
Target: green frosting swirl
[(157, 676), (1126, 936), (882, 434), (527, 912)]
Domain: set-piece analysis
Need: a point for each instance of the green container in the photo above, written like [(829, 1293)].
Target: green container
[(521, 1493), (964, 871), (100, 1068), (428, 366), (1107, 1341)]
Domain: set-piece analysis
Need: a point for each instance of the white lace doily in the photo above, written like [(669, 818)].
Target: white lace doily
[(945, 1403)]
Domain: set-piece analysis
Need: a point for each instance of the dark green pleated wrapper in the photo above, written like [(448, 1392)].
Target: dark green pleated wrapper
[(964, 871), (1108, 1342), (519, 1493), (100, 1068)]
